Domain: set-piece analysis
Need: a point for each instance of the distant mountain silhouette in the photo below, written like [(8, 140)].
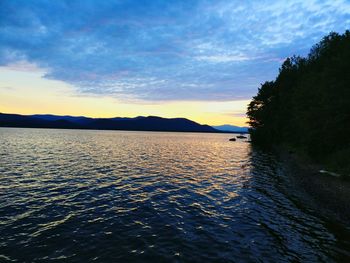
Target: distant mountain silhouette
[(231, 128), (150, 123)]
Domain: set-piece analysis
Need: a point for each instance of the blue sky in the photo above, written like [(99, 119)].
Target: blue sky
[(154, 51)]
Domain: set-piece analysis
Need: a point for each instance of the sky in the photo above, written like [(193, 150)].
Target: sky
[(198, 59)]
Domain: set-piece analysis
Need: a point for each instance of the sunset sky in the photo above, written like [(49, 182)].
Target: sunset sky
[(201, 60)]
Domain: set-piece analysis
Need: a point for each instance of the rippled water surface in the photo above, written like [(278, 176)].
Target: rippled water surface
[(116, 196)]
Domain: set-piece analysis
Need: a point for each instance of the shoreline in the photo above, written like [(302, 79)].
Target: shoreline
[(319, 191), (145, 130)]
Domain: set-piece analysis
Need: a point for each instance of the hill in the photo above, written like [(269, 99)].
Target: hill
[(150, 123), (231, 128)]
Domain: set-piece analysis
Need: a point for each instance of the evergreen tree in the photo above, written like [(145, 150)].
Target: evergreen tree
[(308, 105)]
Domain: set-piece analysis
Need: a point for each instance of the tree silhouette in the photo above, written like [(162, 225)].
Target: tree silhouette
[(307, 106)]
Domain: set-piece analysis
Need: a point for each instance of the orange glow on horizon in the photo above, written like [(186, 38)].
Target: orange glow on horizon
[(26, 92)]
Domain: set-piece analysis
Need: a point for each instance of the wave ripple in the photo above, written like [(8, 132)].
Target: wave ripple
[(109, 196)]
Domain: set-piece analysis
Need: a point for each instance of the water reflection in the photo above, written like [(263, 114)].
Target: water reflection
[(143, 196)]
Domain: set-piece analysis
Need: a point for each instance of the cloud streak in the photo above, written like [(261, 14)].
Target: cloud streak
[(163, 50)]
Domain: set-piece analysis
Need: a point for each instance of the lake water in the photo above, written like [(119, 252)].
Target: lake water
[(116, 196)]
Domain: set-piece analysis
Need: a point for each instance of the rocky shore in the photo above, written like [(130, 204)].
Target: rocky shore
[(325, 192)]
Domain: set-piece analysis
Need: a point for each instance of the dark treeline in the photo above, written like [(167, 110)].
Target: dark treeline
[(307, 107)]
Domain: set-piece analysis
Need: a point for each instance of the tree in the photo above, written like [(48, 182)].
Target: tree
[(307, 105)]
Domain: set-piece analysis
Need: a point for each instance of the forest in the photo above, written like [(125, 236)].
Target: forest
[(307, 107)]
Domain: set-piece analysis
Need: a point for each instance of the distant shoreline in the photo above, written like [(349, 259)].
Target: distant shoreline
[(141, 123), (88, 129)]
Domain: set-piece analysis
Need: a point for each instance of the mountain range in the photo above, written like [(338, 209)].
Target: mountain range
[(231, 128), (150, 123)]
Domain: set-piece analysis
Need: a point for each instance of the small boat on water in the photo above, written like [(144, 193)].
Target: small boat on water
[(241, 136)]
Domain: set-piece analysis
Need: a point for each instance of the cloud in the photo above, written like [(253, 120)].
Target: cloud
[(223, 58), (163, 50), (7, 88), (25, 66)]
